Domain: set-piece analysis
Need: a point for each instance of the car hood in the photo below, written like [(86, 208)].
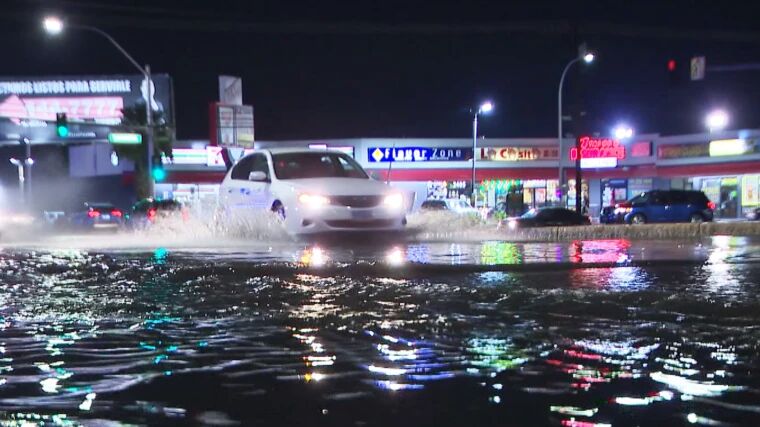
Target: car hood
[(338, 186)]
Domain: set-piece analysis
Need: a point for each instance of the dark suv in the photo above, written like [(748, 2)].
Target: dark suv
[(665, 206)]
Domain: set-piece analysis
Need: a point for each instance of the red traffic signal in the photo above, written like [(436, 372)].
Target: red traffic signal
[(671, 65)]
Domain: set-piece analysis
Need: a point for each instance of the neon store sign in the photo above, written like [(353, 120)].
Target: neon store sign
[(598, 148)]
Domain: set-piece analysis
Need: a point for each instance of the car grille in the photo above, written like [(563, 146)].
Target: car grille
[(350, 223), (356, 201)]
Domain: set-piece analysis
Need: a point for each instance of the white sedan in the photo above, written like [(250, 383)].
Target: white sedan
[(312, 192)]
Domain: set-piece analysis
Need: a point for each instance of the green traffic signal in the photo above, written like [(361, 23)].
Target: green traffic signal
[(159, 174), (63, 131), (61, 125)]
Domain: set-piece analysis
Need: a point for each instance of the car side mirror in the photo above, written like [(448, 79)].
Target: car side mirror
[(258, 176)]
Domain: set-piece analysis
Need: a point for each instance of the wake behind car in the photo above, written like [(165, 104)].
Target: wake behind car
[(148, 212), (97, 216), (457, 206), (311, 192), (547, 217)]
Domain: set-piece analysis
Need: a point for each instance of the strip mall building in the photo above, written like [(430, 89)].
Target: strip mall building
[(726, 166)]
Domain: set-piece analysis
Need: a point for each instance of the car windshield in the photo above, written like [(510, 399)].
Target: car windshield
[(316, 165), (530, 214)]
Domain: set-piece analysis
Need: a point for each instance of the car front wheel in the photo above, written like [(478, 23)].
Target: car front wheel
[(279, 210), (638, 219)]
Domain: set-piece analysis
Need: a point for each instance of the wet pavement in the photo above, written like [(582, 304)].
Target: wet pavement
[(98, 331)]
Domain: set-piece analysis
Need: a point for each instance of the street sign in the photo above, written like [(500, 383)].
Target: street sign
[(698, 64), (125, 138)]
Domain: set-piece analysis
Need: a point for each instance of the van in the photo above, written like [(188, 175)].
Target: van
[(665, 206)]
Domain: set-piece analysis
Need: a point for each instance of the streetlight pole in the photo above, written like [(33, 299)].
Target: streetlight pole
[(484, 108), (20, 166), (54, 25), (588, 58), (474, 148)]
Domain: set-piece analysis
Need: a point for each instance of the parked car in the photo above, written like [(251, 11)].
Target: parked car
[(753, 215), (607, 215), (546, 217), (457, 206), (148, 212), (97, 216), (665, 206), (312, 191)]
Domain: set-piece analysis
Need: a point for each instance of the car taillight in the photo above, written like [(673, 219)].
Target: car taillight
[(151, 214), (711, 206), (93, 214), (185, 215), (116, 213)]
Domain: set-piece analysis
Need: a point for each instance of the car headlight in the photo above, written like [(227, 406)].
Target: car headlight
[(512, 224), (394, 201), (313, 200)]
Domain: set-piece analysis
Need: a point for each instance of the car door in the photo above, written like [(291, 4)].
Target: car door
[(238, 188), (655, 208), (260, 196), (678, 208), (547, 217)]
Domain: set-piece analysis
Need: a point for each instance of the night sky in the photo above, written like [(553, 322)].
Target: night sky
[(410, 69)]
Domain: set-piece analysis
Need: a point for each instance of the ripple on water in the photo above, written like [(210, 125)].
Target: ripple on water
[(161, 340)]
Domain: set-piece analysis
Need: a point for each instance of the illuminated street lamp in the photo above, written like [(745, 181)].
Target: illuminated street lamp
[(484, 108), (716, 120), (588, 58), (54, 25), (622, 132)]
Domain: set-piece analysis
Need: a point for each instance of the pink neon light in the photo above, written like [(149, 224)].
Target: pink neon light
[(594, 148)]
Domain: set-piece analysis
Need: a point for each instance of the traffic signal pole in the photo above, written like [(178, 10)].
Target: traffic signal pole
[(149, 133)]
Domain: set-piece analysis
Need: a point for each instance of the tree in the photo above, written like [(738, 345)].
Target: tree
[(134, 120)]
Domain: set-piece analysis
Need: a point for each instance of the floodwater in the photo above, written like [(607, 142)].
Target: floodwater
[(95, 331)]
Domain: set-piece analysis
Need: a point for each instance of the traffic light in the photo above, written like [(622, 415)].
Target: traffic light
[(61, 125), (157, 170), (676, 72)]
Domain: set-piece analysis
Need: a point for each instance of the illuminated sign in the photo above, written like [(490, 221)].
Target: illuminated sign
[(681, 151), (125, 138), (729, 147), (418, 154), (93, 104), (517, 154), (641, 149), (93, 107), (599, 162), (594, 148)]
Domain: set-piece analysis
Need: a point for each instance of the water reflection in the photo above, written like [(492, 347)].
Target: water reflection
[(135, 340)]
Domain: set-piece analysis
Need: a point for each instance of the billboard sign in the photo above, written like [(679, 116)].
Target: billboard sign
[(418, 154), (231, 125), (518, 154), (93, 104), (230, 90)]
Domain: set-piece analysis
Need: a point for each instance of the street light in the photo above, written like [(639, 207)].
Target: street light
[(484, 108), (622, 132), (54, 25), (716, 120), (588, 58)]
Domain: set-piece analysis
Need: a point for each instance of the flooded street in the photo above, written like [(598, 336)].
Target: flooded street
[(583, 334)]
